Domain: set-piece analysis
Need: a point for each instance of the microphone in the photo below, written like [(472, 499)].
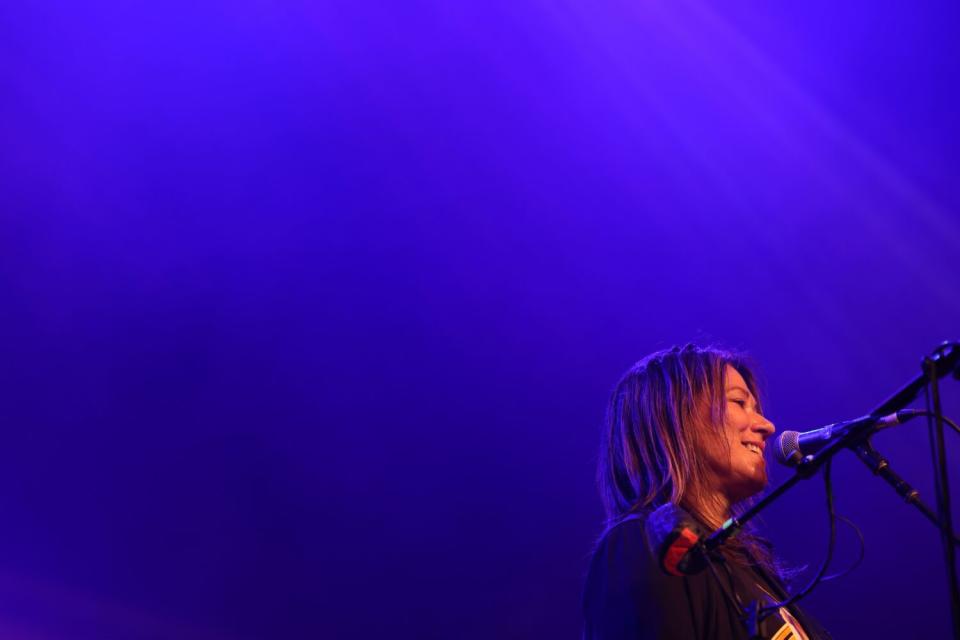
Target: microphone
[(674, 539), (793, 446)]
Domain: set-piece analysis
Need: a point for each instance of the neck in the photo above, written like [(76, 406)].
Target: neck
[(714, 509)]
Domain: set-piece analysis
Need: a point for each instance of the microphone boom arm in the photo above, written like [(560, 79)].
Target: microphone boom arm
[(945, 360)]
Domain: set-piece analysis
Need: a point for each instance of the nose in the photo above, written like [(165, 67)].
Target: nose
[(764, 427)]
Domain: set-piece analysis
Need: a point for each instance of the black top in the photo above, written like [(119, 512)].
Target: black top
[(628, 596)]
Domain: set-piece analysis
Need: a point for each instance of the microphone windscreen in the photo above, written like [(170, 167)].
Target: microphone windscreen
[(788, 445)]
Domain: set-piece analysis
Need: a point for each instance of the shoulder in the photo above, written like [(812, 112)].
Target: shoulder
[(623, 561), (624, 541), (627, 594)]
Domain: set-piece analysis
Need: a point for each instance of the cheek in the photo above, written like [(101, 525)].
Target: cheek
[(735, 435)]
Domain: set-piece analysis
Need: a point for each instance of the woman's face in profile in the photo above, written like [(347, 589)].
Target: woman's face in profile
[(745, 472)]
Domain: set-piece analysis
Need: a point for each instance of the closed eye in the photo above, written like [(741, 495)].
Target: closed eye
[(742, 403)]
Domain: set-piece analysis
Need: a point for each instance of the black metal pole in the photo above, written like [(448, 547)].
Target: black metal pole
[(942, 484)]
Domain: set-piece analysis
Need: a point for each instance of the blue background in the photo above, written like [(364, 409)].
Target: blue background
[(311, 310)]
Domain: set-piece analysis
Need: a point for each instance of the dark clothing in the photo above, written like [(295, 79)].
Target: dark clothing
[(628, 596)]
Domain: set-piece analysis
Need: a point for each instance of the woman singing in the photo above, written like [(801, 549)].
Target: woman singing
[(684, 427)]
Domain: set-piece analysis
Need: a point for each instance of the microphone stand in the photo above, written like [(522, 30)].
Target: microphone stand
[(935, 427), (944, 360)]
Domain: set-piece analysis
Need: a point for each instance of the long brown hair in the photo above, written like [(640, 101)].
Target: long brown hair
[(663, 413)]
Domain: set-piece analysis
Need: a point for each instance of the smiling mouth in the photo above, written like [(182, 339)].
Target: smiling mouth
[(751, 446)]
